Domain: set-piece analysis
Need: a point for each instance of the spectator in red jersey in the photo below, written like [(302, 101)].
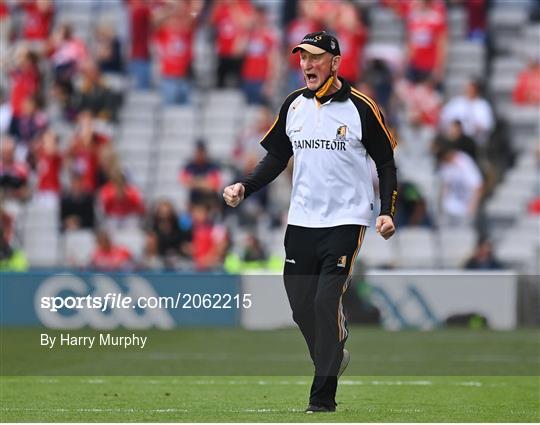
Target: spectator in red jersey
[(231, 20), (25, 80), (13, 173), (349, 29), (83, 153), (421, 101), (76, 206), (305, 23), (477, 18), (30, 124), (121, 203), (201, 176), (260, 61), (425, 22), (527, 89), (477, 11), (140, 27), (210, 241), (109, 257), (37, 19), (48, 166), (173, 38), (534, 206)]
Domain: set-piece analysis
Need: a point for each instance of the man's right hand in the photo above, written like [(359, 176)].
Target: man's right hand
[(385, 226), (234, 194)]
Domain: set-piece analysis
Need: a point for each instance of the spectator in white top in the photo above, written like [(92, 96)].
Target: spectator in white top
[(461, 187), (472, 110)]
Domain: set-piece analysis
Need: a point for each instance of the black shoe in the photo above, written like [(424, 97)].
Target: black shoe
[(313, 408)]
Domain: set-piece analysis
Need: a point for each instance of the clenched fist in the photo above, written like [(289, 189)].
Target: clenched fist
[(385, 226), (234, 194)]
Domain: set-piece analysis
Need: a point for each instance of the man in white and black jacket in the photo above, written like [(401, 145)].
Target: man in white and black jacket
[(332, 130)]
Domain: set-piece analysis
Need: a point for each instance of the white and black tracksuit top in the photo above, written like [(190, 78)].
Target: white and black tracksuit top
[(331, 138)]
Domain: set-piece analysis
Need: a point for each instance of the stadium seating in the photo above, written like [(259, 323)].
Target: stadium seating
[(77, 248), (131, 238), (154, 141), (456, 245), (376, 252), (417, 248)]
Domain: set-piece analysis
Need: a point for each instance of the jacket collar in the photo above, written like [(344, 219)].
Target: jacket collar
[(340, 96)]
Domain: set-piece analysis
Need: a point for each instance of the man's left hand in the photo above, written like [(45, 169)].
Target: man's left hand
[(385, 226)]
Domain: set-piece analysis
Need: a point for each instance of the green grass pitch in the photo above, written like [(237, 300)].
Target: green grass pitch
[(420, 377), (267, 399)]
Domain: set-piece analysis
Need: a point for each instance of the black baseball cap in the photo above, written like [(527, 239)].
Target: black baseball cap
[(319, 42)]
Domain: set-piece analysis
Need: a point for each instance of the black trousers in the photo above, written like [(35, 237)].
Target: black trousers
[(318, 269)]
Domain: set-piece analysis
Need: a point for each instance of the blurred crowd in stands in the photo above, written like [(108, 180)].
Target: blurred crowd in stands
[(48, 68)]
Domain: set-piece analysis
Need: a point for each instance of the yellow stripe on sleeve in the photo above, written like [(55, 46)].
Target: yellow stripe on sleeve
[(377, 113), (270, 129)]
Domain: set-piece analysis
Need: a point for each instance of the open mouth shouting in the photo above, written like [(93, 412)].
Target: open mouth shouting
[(311, 80)]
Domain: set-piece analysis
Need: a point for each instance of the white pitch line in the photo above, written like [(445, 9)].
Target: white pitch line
[(304, 382), (92, 381), (469, 384), (31, 409), (293, 382), (494, 358), (268, 410), (131, 410), (346, 382), (389, 383), (48, 381), (218, 357), (373, 409), (93, 410)]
